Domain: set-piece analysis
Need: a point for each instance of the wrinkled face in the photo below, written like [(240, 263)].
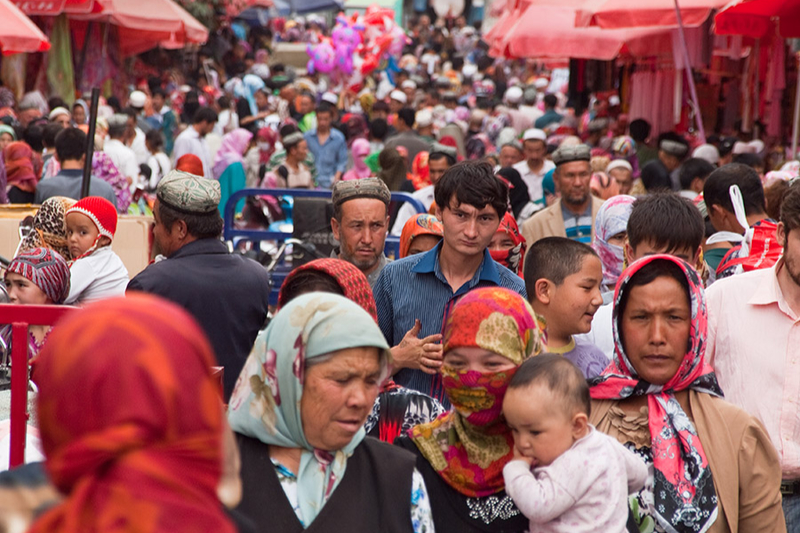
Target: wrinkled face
[(79, 115), (338, 395), (573, 181), (22, 291), (541, 428), (362, 232), (63, 119), (501, 242), (81, 233), (467, 358), (422, 244), (655, 327), (577, 299), (509, 156), (534, 151), (467, 229), (5, 140), (624, 178), (436, 169)]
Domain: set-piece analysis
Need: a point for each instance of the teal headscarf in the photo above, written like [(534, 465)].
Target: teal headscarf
[(265, 404)]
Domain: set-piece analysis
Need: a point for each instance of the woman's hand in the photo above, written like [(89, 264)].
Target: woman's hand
[(421, 354)]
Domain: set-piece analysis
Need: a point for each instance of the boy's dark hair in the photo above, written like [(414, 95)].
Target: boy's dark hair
[(33, 136), (205, 114), (550, 101), (49, 134), (159, 92), (666, 221), (326, 107), (437, 155), (70, 145), (639, 130), (380, 106), (718, 184), (655, 177), (553, 259), (155, 137), (308, 280), (378, 128), (202, 226), (790, 208), (408, 116), (56, 101), (472, 183), (560, 376), (753, 161), (287, 129), (694, 168), (224, 102)]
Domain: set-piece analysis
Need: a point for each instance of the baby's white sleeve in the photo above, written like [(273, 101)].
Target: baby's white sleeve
[(541, 499), (81, 275)]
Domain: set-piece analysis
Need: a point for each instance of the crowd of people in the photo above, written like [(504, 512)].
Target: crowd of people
[(587, 330)]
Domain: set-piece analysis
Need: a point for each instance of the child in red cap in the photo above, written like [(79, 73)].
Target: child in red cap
[(96, 272)]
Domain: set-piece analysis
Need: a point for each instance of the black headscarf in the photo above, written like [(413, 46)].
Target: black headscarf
[(518, 192)]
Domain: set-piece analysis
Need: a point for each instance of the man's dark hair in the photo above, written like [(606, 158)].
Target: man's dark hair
[(159, 92), (472, 183), (224, 101), (49, 134), (201, 226), (716, 190), (326, 107), (655, 177), (437, 155), (639, 130), (309, 280), (408, 116), (287, 129), (790, 208), (666, 221), (550, 101), (378, 128), (33, 135), (561, 377), (205, 114), (694, 168), (56, 101), (753, 161), (155, 137), (70, 145), (553, 259), (380, 106)]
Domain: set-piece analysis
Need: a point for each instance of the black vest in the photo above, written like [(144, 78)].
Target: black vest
[(373, 496)]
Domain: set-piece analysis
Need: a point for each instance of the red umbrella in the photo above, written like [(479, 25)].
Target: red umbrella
[(616, 14), (18, 33), (755, 19)]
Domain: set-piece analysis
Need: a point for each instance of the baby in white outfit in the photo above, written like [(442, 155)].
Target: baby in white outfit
[(566, 476)]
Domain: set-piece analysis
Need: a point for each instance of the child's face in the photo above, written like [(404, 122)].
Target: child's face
[(541, 427), (81, 233), (574, 303), (22, 291)]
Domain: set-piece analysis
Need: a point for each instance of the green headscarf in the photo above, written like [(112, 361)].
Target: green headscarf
[(265, 404)]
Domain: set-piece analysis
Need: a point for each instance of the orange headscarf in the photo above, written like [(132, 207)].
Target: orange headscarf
[(131, 421), (190, 163), (422, 224)]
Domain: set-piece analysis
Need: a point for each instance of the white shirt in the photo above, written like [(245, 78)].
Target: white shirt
[(123, 158), (97, 276), (601, 334), (424, 195), (139, 148), (190, 142), (160, 165), (534, 179)]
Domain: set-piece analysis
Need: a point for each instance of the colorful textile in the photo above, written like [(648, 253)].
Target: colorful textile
[(20, 168), (603, 186), (685, 498), (265, 404), (422, 224), (612, 219), (131, 421), (470, 445), (231, 151), (350, 279), (360, 170), (50, 226), (512, 258), (105, 169), (420, 172), (189, 193), (46, 269)]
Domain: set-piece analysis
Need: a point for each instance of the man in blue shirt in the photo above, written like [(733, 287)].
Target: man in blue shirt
[(414, 295), (551, 116), (328, 146)]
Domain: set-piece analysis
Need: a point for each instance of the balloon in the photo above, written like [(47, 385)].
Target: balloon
[(322, 58), (398, 42), (370, 63)]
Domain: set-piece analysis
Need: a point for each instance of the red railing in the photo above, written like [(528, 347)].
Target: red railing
[(20, 317)]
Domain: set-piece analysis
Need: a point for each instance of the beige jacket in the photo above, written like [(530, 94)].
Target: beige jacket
[(744, 464), (550, 222)]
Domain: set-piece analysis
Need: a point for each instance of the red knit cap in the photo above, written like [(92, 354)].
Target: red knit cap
[(101, 211)]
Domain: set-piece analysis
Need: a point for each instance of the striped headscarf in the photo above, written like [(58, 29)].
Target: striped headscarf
[(44, 268)]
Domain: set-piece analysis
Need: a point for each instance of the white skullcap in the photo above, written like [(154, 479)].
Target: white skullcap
[(424, 118), (513, 95), (330, 98), (757, 145), (541, 83), (613, 100), (400, 96), (619, 163), (137, 99), (743, 148), (469, 70), (708, 152), (57, 112), (408, 84), (534, 134)]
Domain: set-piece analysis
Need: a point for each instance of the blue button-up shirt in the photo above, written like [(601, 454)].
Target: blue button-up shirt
[(330, 157), (415, 287)]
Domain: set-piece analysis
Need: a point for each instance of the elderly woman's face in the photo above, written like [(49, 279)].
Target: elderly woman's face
[(471, 358), (338, 395), (655, 325)]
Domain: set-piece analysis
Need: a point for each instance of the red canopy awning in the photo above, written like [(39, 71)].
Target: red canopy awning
[(18, 33), (145, 24), (757, 19), (56, 7), (617, 14)]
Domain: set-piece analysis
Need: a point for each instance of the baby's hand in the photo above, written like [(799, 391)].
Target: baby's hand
[(518, 456)]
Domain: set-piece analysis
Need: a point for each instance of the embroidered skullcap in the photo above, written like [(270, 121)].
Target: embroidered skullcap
[(568, 154), (188, 193), (363, 188)]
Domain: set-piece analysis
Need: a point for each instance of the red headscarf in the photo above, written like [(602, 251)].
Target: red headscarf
[(20, 170), (131, 421), (190, 163), (422, 224), (420, 173), (511, 259)]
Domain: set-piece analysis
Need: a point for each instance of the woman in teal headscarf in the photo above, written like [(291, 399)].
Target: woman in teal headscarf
[(298, 410)]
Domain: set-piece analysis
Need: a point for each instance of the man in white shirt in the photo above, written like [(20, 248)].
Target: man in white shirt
[(192, 139), (123, 157), (535, 166), (439, 161)]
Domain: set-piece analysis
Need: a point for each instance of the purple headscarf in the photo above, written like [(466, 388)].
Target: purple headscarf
[(612, 219)]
